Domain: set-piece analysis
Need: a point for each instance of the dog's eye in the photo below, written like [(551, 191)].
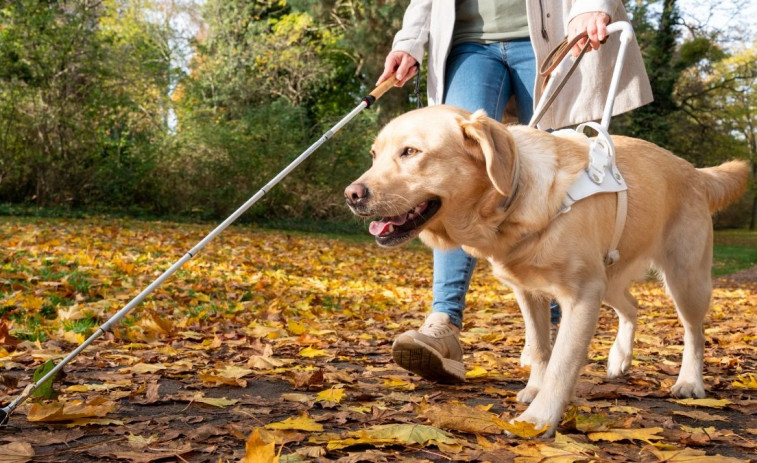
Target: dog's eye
[(373, 154), (409, 151)]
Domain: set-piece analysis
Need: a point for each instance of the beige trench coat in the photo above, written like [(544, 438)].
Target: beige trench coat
[(428, 24)]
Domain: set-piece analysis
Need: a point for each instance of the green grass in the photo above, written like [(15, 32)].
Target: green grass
[(734, 250)]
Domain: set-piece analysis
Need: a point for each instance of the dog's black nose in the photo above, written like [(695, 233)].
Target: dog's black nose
[(355, 192)]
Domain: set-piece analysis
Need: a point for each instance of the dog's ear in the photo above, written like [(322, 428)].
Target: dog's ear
[(497, 147)]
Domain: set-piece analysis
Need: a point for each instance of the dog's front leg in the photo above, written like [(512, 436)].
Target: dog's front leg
[(537, 348), (579, 321)]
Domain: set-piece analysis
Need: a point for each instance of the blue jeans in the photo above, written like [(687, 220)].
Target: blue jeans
[(480, 76)]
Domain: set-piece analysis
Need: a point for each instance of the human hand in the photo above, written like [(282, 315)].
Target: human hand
[(401, 64), (594, 23)]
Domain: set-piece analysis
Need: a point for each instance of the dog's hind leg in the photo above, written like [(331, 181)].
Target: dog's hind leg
[(536, 352), (621, 353), (689, 282)]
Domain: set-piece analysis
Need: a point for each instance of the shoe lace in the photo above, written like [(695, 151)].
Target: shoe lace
[(435, 329)]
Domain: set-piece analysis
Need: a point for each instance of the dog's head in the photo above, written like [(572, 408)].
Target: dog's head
[(434, 169)]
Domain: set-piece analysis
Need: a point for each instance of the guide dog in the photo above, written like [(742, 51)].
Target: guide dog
[(459, 179)]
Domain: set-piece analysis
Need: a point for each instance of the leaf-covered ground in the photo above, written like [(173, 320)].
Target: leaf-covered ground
[(277, 344)]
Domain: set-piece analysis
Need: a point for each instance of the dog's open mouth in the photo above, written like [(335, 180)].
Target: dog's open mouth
[(391, 231)]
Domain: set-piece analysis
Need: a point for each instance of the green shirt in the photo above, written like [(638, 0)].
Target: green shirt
[(487, 21)]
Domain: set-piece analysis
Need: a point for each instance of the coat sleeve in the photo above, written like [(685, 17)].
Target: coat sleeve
[(413, 37), (587, 6)]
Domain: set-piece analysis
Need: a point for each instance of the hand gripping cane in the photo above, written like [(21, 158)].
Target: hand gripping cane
[(366, 102)]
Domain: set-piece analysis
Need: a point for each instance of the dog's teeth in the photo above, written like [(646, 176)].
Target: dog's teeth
[(389, 230)]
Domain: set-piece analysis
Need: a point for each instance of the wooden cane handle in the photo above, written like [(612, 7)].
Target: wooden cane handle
[(384, 87)]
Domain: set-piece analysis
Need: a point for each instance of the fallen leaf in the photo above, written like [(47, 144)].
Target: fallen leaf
[(301, 423), (641, 434), (524, 429), (143, 368), (64, 411), (399, 384), (333, 395), (460, 417), (711, 403), (139, 442), (214, 401), (5, 337), (16, 452), (259, 451), (477, 372), (296, 397), (701, 416), (391, 434), (311, 352), (689, 455), (746, 382), (46, 390)]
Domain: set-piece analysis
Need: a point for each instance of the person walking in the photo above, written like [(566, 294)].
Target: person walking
[(482, 53)]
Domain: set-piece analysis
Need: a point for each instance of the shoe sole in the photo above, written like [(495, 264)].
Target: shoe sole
[(421, 359)]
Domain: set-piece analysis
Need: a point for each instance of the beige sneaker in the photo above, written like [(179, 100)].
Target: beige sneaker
[(433, 351)]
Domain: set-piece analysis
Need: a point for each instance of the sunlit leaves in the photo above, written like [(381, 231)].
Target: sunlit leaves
[(301, 423), (258, 450), (277, 332), (70, 410)]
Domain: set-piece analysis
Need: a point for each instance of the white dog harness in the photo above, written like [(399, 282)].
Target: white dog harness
[(600, 176)]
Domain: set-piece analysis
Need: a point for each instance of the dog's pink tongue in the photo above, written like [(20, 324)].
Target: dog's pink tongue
[(379, 227)]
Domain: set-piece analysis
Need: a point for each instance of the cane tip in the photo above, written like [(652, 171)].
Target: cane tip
[(3, 417)]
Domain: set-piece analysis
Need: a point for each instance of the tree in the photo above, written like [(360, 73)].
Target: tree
[(83, 92)]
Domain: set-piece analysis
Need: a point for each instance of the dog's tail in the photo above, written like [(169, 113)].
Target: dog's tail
[(725, 183)]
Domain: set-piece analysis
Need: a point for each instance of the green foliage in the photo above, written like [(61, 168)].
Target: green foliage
[(78, 84), (45, 390), (97, 111)]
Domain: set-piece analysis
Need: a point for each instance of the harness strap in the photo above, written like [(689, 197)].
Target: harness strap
[(613, 255)]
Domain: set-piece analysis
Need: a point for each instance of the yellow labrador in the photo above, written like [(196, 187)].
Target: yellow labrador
[(449, 176)]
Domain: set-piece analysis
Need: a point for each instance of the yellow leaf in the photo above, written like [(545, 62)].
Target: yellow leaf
[(16, 452), (642, 434), (64, 411), (393, 434), (73, 338), (231, 371), (32, 303), (94, 421), (143, 368), (301, 423), (712, 403), (523, 429), (333, 395), (399, 384), (311, 352), (259, 451), (216, 402), (746, 382), (477, 372), (689, 455), (296, 328)]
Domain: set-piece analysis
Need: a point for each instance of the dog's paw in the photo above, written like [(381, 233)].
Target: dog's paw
[(685, 389), (618, 364), (528, 394), (533, 427)]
